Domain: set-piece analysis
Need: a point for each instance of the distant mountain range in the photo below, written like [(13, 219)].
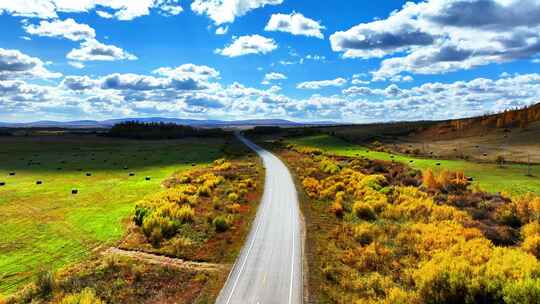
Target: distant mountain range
[(81, 124)]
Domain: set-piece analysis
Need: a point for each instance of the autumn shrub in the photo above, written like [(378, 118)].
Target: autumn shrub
[(444, 181), (223, 167), (337, 209), (233, 208), (364, 233), (233, 197), (526, 207), (530, 229), (141, 212), (87, 296), (531, 245), (311, 186), (156, 227), (184, 214), (328, 166), (44, 284), (222, 223), (364, 211)]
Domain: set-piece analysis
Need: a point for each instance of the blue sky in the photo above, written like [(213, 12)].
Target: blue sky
[(354, 61)]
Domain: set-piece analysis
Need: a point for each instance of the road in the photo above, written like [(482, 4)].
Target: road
[(269, 268)]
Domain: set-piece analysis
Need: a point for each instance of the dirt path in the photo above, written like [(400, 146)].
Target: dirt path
[(166, 261)]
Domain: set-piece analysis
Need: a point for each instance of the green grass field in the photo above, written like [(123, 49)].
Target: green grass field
[(490, 177), (46, 226)]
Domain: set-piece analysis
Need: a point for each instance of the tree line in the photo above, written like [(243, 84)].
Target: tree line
[(141, 130)]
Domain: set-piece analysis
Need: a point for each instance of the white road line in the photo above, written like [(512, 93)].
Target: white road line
[(247, 254), (292, 261)]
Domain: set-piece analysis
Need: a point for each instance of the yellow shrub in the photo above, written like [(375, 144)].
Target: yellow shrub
[(233, 197), (329, 166), (364, 233), (531, 229), (428, 180), (87, 296), (224, 166), (364, 211), (233, 208), (311, 186), (531, 245)]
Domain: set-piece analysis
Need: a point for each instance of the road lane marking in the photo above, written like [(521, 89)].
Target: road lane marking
[(292, 260), (241, 270)]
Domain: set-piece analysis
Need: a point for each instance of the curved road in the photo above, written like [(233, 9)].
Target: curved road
[(269, 268)]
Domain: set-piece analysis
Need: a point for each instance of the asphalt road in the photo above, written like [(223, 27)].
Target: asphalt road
[(269, 268)]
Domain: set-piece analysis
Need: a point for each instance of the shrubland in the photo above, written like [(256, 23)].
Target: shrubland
[(381, 232), (202, 214)]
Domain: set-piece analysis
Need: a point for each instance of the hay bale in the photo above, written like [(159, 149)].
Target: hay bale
[(39, 182), (147, 178), (438, 164), (411, 161), (74, 191), (125, 167), (131, 174), (11, 173), (2, 184), (88, 174)]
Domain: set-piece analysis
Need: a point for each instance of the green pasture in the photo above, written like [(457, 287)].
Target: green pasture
[(46, 226)]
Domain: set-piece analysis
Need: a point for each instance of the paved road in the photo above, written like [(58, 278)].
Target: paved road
[(269, 268)]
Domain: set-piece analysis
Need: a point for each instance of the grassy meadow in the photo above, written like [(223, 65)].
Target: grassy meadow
[(489, 176), (46, 226)]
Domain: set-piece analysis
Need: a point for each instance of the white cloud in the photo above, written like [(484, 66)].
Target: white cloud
[(68, 29), (76, 64), (315, 85), (295, 24), (226, 11), (78, 83), (142, 95), (439, 36), (269, 77), (15, 65), (222, 30), (104, 14), (93, 50), (188, 70), (122, 9), (245, 45)]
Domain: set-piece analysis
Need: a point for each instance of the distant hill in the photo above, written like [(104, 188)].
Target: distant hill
[(188, 122)]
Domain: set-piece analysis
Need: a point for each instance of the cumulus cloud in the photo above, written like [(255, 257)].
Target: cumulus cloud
[(122, 94), (14, 64), (93, 50), (295, 24), (188, 70), (245, 45), (269, 77), (439, 36), (121, 9), (78, 83), (315, 85), (226, 11), (68, 29)]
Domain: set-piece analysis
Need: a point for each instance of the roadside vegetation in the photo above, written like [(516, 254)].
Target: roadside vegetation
[(383, 232), (201, 213), (510, 178)]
